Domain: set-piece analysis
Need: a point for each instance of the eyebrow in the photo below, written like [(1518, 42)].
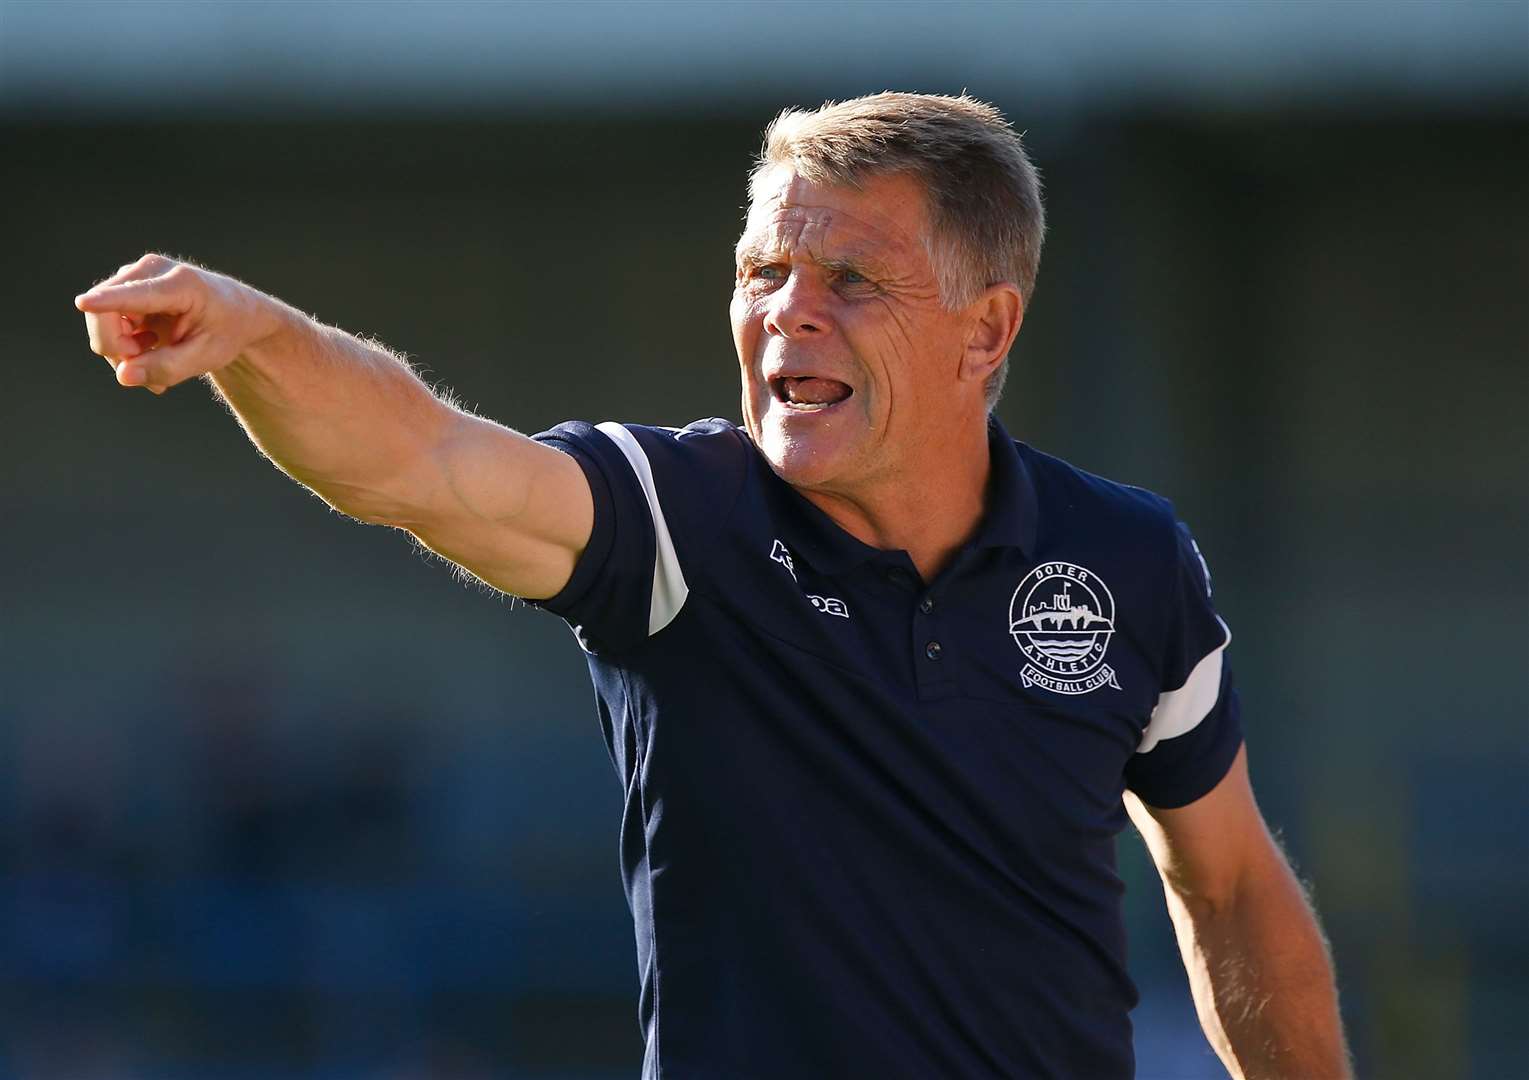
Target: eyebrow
[(752, 252), (757, 252)]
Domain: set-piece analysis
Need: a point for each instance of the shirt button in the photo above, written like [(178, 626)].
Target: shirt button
[(932, 650), (926, 605)]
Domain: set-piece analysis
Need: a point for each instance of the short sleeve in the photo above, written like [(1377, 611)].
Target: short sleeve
[(652, 489), (1196, 728)]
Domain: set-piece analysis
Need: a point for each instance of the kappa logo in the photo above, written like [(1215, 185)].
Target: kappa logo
[(782, 554), (1062, 617), (828, 605)]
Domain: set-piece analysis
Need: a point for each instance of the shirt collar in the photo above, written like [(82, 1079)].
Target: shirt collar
[(1013, 510), (1008, 521), (814, 536)]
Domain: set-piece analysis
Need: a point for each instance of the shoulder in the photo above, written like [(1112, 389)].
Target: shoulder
[(687, 478), (695, 470), (661, 494), (712, 442), (713, 432), (1073, 500), (705, 452)]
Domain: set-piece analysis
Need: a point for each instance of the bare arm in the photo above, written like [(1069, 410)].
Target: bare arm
[(351, 421), (1257, 963)]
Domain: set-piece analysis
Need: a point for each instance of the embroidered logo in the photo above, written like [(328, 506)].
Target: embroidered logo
[(1062, 617), (828, 605), (782, 554)]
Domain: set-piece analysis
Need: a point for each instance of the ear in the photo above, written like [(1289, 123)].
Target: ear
[(993, 322)]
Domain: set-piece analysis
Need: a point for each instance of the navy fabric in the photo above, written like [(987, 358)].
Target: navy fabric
[(870, 821)]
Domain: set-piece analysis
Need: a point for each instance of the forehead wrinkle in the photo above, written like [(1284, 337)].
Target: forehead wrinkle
[(815, 241), (883, 212)]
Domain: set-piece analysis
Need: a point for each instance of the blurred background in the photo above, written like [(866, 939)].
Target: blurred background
[(280, 798)]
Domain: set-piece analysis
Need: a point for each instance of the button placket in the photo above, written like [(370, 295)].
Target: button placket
[(931, 645)]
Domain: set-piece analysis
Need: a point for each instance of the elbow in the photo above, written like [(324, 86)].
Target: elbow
[(1208, 906), (367, 503), (374, 508), (1229, 896), (368, 514), (1215, 893)]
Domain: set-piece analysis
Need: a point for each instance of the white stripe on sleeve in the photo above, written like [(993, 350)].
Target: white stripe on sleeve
[(1180, 711), (669, 588)]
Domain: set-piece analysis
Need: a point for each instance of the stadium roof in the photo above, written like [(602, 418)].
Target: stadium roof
[(113, 58)]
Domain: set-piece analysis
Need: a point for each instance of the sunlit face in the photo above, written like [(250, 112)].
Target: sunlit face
[(849, 360)]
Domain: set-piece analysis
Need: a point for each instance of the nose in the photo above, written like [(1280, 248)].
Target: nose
[(797, 309)]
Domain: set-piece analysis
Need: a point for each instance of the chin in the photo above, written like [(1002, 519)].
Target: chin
[(812, 460)]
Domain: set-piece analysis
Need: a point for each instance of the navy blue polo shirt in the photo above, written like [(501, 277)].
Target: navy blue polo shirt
[(870, 821)]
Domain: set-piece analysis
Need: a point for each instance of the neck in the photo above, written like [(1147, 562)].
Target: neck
[(929, 515)]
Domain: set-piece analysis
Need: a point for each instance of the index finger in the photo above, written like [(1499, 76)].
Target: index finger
[(146, 297)]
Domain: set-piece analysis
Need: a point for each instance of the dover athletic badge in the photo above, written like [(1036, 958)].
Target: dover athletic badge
[(1062, 617)]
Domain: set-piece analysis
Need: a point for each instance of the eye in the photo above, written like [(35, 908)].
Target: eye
[(853, 277), (762, 276)]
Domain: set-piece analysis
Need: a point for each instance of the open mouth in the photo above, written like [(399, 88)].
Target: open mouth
[(809, 393)]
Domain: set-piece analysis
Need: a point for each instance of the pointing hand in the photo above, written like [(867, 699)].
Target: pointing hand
[(159, 322)]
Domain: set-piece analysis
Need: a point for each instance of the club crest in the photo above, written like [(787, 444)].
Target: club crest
[(1062, 617)]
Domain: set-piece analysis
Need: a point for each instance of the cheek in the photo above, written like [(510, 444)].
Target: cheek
[(735, 311), (746, 326), (890, 359), (922, 356)]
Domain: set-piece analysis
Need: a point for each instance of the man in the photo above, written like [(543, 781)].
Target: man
[(882, 682)]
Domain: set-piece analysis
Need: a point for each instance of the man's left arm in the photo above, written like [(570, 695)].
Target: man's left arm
[(1257, 962)]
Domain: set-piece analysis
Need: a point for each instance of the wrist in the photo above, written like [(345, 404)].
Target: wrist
[(272, 329)]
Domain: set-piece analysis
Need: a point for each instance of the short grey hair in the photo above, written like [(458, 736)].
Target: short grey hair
[(984, 193)]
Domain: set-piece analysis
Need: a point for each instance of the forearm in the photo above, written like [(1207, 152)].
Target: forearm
[(350, 420), (345, 417), (1262, 981)]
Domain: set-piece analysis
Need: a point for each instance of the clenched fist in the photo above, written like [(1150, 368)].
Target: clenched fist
[(159, 322)]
